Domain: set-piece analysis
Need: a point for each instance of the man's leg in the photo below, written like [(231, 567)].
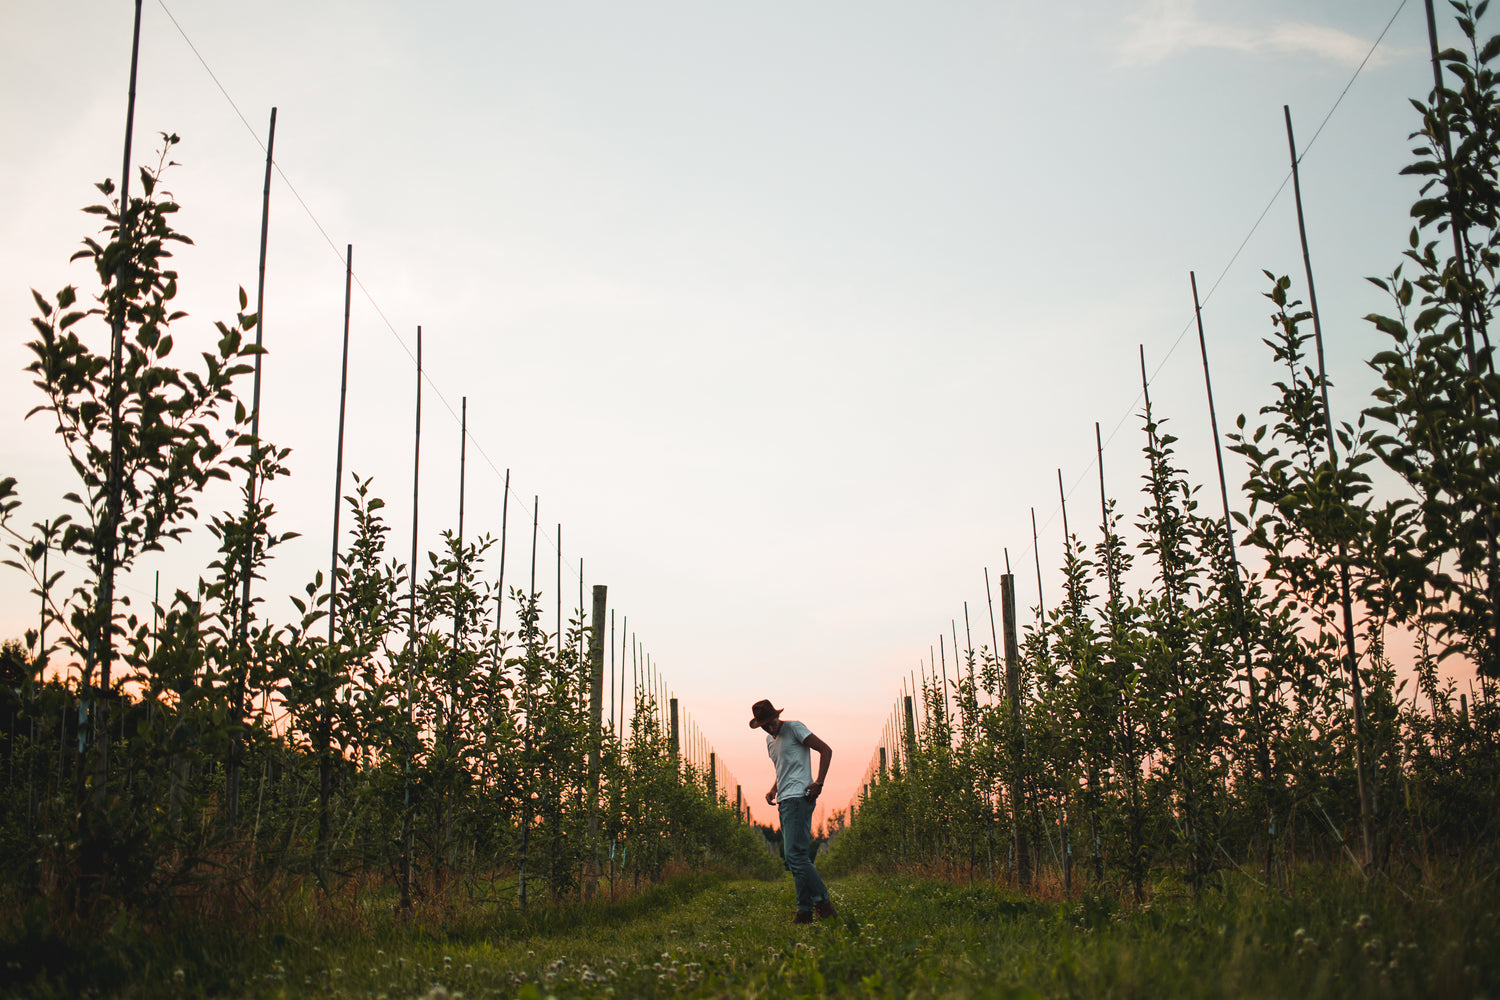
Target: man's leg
[(796, 838)]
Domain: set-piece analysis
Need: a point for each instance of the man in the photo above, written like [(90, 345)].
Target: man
[(795, 794)]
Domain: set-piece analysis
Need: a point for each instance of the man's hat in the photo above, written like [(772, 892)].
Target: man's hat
[(764, 713)]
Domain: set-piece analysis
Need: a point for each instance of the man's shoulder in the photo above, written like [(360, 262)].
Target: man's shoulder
[(797, 730)]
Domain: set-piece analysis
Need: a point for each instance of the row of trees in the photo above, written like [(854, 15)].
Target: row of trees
[(393, 732), (1223, 717)]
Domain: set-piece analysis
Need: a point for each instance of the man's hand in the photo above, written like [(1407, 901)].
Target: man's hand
[(813, 791), (771, 797)]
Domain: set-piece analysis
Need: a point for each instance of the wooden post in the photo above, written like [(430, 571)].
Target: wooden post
[(676, 744), (911, 730), (1369, 802), (739, 803), (713, 776), (1018, 739), (612, 671), (596, 713), (596, 674)]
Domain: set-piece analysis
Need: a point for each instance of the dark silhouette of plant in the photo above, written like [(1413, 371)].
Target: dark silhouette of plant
[(175, 427), (1439, 402)]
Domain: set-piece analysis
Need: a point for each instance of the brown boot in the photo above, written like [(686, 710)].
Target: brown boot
[(802, 917), (825, 910)]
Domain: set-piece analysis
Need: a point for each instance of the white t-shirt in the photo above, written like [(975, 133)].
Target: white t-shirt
[(788, 751)]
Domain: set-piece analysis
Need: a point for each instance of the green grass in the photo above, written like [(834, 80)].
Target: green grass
[(708, 936)]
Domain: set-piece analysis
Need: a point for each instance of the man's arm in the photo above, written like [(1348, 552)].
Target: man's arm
[(825, 755), (771, 795)]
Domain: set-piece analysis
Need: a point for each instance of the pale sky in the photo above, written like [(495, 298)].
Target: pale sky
[(788, 312)]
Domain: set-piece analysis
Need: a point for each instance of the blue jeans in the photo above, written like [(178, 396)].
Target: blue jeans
[(796, 844)]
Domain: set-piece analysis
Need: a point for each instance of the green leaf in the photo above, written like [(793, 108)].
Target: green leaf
[(1387, 325), (1491, 49), (1428, 318)]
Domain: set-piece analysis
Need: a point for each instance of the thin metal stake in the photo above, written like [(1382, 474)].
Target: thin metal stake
[(238, 694), (1036, 554), (1369, 801), (994, 638), (500, 585), (416, 496), (463, 460), (558, 638), (536, 509), (338, 469), (103, 641), (260, 326), (1236, 593)]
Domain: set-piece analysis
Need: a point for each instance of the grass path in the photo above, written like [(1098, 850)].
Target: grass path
[(900, 937), (894, 937)]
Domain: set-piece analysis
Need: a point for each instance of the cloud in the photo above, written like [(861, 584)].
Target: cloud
[(1162, 29)]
